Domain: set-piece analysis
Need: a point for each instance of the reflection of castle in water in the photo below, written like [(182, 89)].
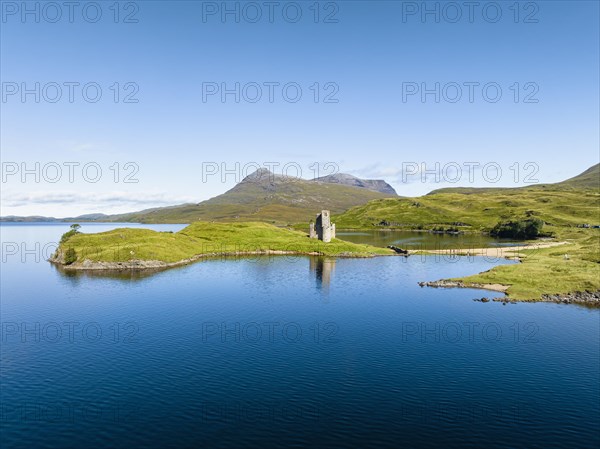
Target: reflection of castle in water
[(322, 268)]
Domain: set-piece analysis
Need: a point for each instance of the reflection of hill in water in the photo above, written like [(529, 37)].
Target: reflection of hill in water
[(322, 269)]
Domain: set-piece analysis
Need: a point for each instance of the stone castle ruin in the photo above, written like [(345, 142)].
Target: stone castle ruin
[(322, 229)]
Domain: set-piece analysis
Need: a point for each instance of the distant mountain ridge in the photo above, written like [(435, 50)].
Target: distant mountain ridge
[(40, 218), (376, 185)]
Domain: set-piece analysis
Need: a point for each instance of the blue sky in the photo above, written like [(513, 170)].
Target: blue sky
[(370, 55)]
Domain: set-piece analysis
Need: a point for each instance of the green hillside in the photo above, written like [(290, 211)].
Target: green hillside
[(588, 180), (475, 211), (568, 203)]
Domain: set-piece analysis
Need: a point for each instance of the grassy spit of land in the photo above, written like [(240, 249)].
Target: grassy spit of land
[(127, 248), (565, 270), (554, 272)]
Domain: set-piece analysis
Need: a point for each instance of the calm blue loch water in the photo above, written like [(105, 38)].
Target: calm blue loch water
[(295, 352)]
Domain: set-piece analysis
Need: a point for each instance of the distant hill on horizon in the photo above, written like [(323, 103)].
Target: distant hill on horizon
[(589, 179), (264, 196), (377, 185)]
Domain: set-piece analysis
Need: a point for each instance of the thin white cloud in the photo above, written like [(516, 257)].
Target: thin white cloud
[(430, 173), (104, 200)]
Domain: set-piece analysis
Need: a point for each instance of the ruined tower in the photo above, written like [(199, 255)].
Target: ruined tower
[(323, 229)]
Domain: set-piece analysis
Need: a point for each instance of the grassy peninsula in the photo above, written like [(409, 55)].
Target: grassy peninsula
[(127, 248), (551, 271), (546, 272)]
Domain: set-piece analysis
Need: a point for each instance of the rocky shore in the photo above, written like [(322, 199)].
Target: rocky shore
[(496, 252), (591, 298), (585, 297), (446, 283)]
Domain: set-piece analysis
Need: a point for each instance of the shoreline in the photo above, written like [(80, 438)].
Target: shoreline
[(588, 298), (506, 252), (447, 283), (141, 265)]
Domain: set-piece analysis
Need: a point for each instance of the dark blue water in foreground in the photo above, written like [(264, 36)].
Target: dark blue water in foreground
[(273, 352)]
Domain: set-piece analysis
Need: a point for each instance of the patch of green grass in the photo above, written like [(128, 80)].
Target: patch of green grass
[(476, 212), (202, 238), (547, 271)]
